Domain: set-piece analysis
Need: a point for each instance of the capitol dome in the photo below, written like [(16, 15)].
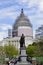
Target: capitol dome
[(21, 21)]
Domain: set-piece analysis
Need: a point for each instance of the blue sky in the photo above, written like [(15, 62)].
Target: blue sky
[(10, 9)]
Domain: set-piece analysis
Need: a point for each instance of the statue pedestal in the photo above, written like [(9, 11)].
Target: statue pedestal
[(23, 57), (23, 51)]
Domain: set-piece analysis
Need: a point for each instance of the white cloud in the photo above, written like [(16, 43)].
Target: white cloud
[(41, 5), (32, 3), (8, 12), (5, 26), (40, 22), (12, 13), (3, 35), (22, 1), (6, 2), (4, 32)]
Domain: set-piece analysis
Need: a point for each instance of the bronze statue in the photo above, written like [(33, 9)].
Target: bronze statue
[(22, 41)]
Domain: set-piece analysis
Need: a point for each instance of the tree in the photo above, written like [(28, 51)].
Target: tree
[(34, 44), (2, 54), (10, 50), (40, 44), (33, 51), (30, 51)]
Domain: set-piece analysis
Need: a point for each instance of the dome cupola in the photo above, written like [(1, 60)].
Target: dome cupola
[(21, 20)]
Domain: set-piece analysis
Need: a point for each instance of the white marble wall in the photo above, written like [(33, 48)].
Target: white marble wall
[(26, 30), (15, 41)]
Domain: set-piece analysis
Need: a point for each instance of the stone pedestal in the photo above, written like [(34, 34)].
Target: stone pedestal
[(23, 57), (23, 63), (23, 54)]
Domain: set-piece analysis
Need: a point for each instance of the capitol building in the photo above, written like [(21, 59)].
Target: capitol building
[(21, 26)]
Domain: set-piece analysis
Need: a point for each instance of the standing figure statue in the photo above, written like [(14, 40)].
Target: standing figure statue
[(22, 41)]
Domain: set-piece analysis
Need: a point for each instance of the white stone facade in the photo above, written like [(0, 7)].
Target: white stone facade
[(26, 30), (15, 41)]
